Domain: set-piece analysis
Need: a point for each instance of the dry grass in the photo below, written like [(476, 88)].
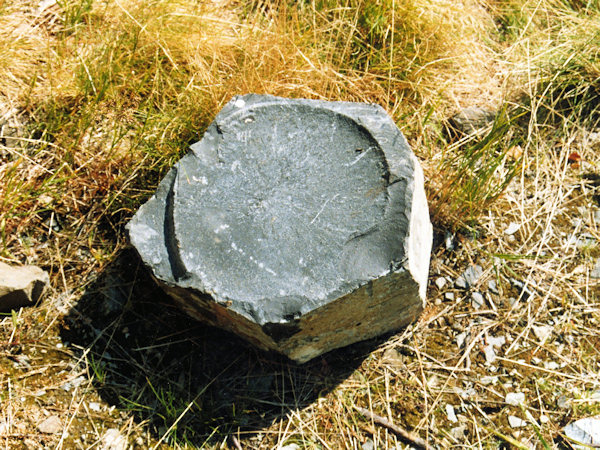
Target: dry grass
[(99, 98)]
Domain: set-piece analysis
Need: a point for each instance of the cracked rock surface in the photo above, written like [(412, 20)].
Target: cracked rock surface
[(301, 225)]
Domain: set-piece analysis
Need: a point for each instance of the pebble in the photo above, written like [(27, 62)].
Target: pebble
[(30, 444), (544, 419), (515, 398), (490, 354), (469, 277), (493, 287), (21, 361), (440, 282), (516, 422), (563, 402), (542, 332), (551, 365), (477, 300), (76, 382), (451, 414), (449, 241), (459, 432), (51, 425), (496, 341), (449, 296), (94, 406), (113, 440), (368, 445), (585, 431), (489, 379), (512, 228)]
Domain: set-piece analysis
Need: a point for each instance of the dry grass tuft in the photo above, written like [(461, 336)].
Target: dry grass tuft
[(99, 99)]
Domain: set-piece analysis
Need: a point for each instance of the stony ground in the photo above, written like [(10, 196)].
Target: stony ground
[(507, 352)]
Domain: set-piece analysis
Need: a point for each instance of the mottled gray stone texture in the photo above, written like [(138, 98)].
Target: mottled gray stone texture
[(301, 225)]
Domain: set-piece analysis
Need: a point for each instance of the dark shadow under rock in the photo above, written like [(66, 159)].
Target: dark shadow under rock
[(151, 359)]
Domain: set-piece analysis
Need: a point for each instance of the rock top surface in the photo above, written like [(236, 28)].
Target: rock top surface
[(21, 286), (285, 206)]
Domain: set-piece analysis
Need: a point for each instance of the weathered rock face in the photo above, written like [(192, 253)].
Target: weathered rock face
[(300, 225), (21, 286)]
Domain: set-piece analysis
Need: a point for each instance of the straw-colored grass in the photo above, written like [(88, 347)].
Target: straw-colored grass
[(99, 98)]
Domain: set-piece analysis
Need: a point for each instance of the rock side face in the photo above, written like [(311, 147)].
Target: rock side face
[(300, 225)]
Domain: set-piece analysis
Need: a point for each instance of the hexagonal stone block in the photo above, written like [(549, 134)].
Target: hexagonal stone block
[(300, 225)]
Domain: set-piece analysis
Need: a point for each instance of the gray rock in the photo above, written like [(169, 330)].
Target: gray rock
[(21, 286), (516, 422), (470, 120), (469, 277), (300, 225), (51, 425), (113, 440), (477, 300), (585, 433), (440, 282)]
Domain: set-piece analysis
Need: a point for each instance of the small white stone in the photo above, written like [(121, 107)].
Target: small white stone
[(477, 300), (440, 282), (449, 296), (451, 414), (94, 406), (544, 418), (542, 332), (512, 228), (113, 440), (489, 379), (551, 365), (51, 425), (496, 342), (515, 398), (585, 431), (490, 354), (516, 422), (460, 339)]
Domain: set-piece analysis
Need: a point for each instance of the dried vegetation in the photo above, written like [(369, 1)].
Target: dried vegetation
[(99, 97)]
